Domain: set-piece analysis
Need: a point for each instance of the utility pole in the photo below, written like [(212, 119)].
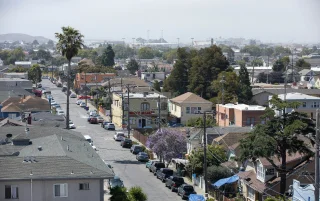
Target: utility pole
[(292, 66), (192, 42), (178, 41), (159, 112), (222, 98), (110, 98), (205, 153), (122, 104), (128, 105), (317, 166)]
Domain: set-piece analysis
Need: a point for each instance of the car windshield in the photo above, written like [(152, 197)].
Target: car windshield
[(143, 154), (116, 182), (188, 188)]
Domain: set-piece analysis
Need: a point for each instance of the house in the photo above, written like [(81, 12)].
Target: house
[(143, 109), (13, 91), (150, 76), (91, 78), (15, 106), (309, 104), (10, 82), (306, 74), (116, 84), (14, 75), (24, 64), (187, 106), (261, 95), (49, 163), (239, 115), (261, 180), (1, 62)]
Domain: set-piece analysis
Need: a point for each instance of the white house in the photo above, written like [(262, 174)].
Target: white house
[(1, 62), (150, 76), (308, 104), (25, 64)]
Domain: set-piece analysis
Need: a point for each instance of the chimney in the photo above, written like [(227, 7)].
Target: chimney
[(29, 119)]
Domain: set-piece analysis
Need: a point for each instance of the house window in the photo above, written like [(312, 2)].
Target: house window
[(250, 193), (145, 106), (11, 192), (315, 104), (250, 120), (149, 121), (60, 190), (84, 186), (199, 109), (304, 104), (188, 110), (164, 106), (260, 172), (270, 171)]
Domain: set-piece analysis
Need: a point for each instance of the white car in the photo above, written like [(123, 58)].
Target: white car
[(118, 136), (53, 102), (60, 112), (82, 104), (71, 125), (73, 95), (79, 102), (91, 112)]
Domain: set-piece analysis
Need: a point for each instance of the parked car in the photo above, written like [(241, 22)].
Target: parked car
[(126, 142), (118, 136), (88, 139), (185, 190), (73, 95), (84, 97), (174, 182), (164, 173), (176, 125), (104, 123), (71, 125), (100, 119), (53, 102), (149, 163), (142, 156), (110, 126), (93, 120), (39, 85), (64, 89), (91, 112), (135, 149), (56, 106), (60, 112), (156, 166), (82, 104), (116, 181), (78, 102)]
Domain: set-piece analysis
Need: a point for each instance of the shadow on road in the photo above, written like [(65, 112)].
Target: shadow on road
[(128, 162)]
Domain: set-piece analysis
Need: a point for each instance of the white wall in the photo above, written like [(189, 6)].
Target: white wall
[(43, 190)]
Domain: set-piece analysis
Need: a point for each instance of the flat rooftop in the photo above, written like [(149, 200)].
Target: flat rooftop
[(141, 95), (244, 107), (297, 96)]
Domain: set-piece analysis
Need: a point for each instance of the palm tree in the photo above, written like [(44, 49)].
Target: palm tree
[(69, 43)]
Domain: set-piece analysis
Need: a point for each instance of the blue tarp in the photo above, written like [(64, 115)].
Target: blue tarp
[(224, 181), (195, 197)]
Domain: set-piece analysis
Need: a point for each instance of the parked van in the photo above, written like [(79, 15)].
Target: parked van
[(88, 138)]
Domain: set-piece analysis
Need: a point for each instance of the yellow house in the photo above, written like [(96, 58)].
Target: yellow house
[(187, 106), (143, 109)]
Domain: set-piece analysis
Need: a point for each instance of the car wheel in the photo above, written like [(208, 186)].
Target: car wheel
[(149, 170), (162, 180)]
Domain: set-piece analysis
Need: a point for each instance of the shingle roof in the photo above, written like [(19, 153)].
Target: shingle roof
[(11, 122), (134, 81), (65, 154), (304, 72), (189, 98), (29, 103), (229, 139)]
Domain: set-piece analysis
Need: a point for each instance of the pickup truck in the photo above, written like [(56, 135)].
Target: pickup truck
[(156, 166), (174, 182), (164, 173)]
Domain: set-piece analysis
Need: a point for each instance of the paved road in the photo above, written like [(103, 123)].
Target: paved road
[(132, 172)]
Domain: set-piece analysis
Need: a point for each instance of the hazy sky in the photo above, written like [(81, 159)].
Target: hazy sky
[(267, 20)]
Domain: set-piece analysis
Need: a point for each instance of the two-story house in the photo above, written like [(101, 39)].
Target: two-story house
[(143, 111), (49, 163), (91, 79), (187, 106), (308, 104), (239, 115)]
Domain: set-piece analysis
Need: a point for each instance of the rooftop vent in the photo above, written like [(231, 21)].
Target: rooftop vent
[(21, 142), (68, 148), (29, 159), (40, 148)]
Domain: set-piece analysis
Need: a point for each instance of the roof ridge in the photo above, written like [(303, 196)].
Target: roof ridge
[(61, 144)]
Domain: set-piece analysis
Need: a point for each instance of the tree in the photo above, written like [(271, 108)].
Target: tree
[(262, 77), (253, 50), (302, 64), (281, 51), (58, 61), (206, 66), (133, 66), (198, 122), (69, 43), (146, 53), (228, 50), (228, 90), (119, 194), (281, 135), (268, 51), (42, 54), (215, 156), (167, 144), (170, 55), (35, 42), (305, 51), (156, 85), (244, 90), (276, 77), (18, 69), (50, 43), (278, 66), (257, 62), (107, 57), (218, 172), (136, 194), (123, 51), (177, 82), (35, 74)]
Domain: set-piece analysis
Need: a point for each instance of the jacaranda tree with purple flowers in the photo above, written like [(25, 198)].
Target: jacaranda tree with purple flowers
[(167, 144)]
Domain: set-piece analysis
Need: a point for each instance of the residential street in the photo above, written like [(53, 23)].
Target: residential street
[(132, 172)]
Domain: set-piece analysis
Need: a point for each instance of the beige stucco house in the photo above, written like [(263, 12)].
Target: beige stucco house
[(143, 109), (187, 106)]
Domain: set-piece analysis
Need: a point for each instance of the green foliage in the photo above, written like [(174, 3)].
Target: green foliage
[(146, 53), (35, 42), (50, 43), (215, 156), (257, 62), (107, 57), (136, 194), (218, 172), (206, 65), (279, 136), (122, 51), (228, 50), (230, 86), (119, 194), (88, 54), (198, 122), (170, 55), (133, 66), (280, 65), (10, 56), (302, 64), (18, 69), (156, 85), (58, 61), (306, 51), (35, 74), (268, 51), (244, 90), (281, 51), (253, 50), (42, 54)]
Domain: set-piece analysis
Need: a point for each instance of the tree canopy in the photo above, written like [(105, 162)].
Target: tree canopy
[(107, 57), (244, 90), (10, 56), (35, 74), (170, 55), (281, 135), (230, 86), (281, 64), (253, 50), (123, 51), (18, 69), (146, 53), (156, 85), (302, 64), (133, 66)]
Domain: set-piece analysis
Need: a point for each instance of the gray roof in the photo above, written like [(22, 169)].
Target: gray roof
[(64, 155), (278, 91), (304, 72), (5, 92), (46, 116)]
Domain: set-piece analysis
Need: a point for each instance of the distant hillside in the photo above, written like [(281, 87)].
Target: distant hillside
[(22, 37)]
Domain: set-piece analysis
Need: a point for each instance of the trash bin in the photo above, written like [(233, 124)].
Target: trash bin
[(87, 108)]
